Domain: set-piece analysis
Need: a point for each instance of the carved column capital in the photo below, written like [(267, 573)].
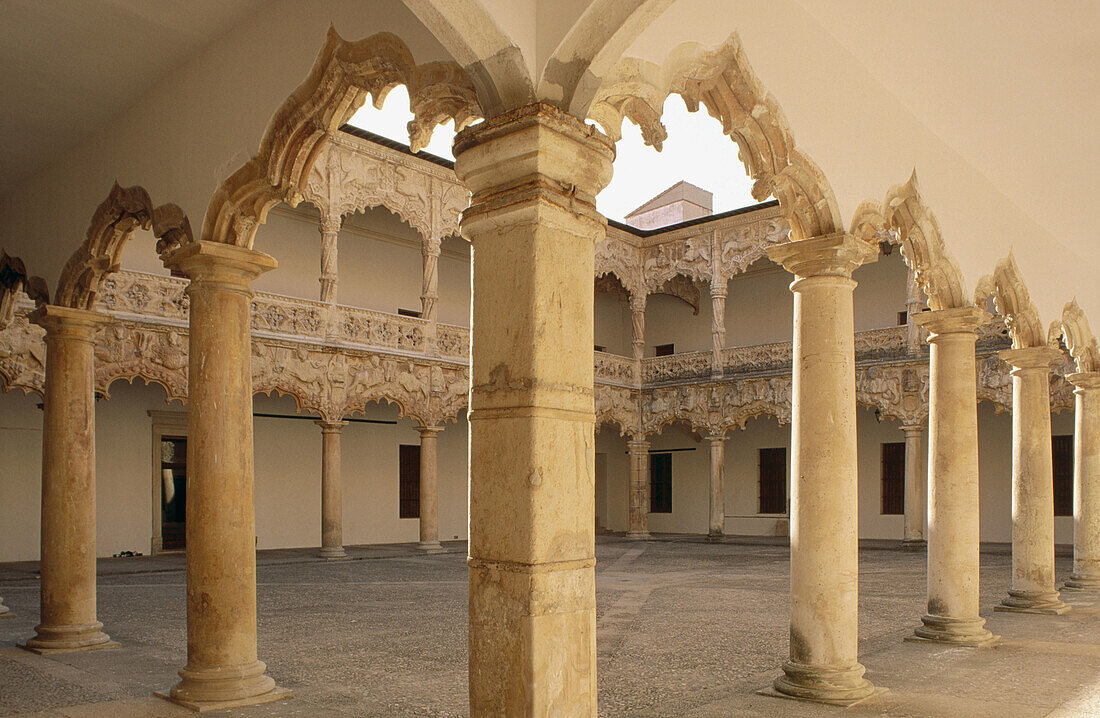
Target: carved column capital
[(1031, 358), (429, 431), (637, 446), (831, 255), (330, 427), (230, 266), (960, 320), (1084, 381), (68, 323)]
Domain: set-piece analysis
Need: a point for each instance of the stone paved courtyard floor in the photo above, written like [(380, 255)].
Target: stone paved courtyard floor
[(685, 628)]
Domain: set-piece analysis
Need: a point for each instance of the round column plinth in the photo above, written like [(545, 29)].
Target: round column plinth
[(332, 553), (68, 639), (225, 686), (914, 545), (956, 631), (430, 547), (1032, 602), (638, 535), (1077, 582), (834, 686)]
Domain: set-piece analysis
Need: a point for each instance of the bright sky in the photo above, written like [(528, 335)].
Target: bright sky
[(696, 151)]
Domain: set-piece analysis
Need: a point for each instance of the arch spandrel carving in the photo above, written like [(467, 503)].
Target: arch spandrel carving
[(923, 247), (1079, 338), (1013, 302), (722, 80), (341, 78)]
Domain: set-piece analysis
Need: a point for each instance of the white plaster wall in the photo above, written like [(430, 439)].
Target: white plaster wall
[(20, 475)]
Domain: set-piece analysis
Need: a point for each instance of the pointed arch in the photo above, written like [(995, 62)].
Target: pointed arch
[(722, 80), (1079, 338), (1013, 302), (342, 77)]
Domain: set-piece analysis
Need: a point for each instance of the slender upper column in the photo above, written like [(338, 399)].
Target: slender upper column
[(221, 517), (823, 663), (68, 618), (717, 478), (429, 489), (534, 173), (1086, 483), (637, 325), (332, 491), (913, 530), (914, 304), (330, 230), (1032, 588), (718, 325), (638, 451), (430, 248), (953, 479)]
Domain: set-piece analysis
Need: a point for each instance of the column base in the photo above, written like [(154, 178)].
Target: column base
[(1077, 582), (821, 684), (332, 553), (225, 687), (914, 544), (430, 547), (1032, 602), (967, 632), (5, 612), (713, 536), (638, 535), (68, 639)]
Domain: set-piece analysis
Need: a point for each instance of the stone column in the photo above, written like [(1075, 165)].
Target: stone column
[(430, 249), (637, 316), (1086, 483), (534, 173), (68, 566), (913, 531), (718, 324), (953, 480), (717, 477), (1032, 588), (914, 304), (638, 450), (823, 663), (429, 489), (332, 491), (222, 669), (330, 230)]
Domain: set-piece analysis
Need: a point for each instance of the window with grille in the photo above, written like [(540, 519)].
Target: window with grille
[(893, 478), (773, 481), (660, 483), (1062, 453), (409, 476)]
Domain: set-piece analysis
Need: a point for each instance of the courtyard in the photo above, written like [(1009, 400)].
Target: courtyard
[(685, 628)]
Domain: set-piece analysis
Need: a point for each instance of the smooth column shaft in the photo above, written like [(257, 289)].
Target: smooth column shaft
[(913, 531), (332, 491), (1086, 484), (717, 479), (953, 480), (1032, 484), (824, 628), (68, 567), (429, 488), (638, 452), (222, 660)]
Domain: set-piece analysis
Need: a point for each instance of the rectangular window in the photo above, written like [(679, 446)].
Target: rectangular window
[(903, 318), (173, 516), (893, 478), (773, 481), (660, 483), (664, 350), (599, 348), (1062, 452), (408, 313), (409, 475)]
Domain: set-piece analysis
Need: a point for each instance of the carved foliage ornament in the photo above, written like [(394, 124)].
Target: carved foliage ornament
[(13, 278), (341, 78)]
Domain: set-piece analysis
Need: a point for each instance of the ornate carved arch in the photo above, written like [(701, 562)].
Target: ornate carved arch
[(113, 224), (13, 277), (723, 81), (923, 247), (1013, 303), (1079, 338), (341, 78)]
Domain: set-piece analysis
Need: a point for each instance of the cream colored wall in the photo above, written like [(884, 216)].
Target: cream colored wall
[(616, 485), (690, 482), (613, 324), (669, 320), (20, 475), (742, 479), (872, 435), (880, 292)]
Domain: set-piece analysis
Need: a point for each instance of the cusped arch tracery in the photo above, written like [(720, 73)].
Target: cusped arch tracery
[(722, 80), (1013, 302), (341, 78), (1079, 339)]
